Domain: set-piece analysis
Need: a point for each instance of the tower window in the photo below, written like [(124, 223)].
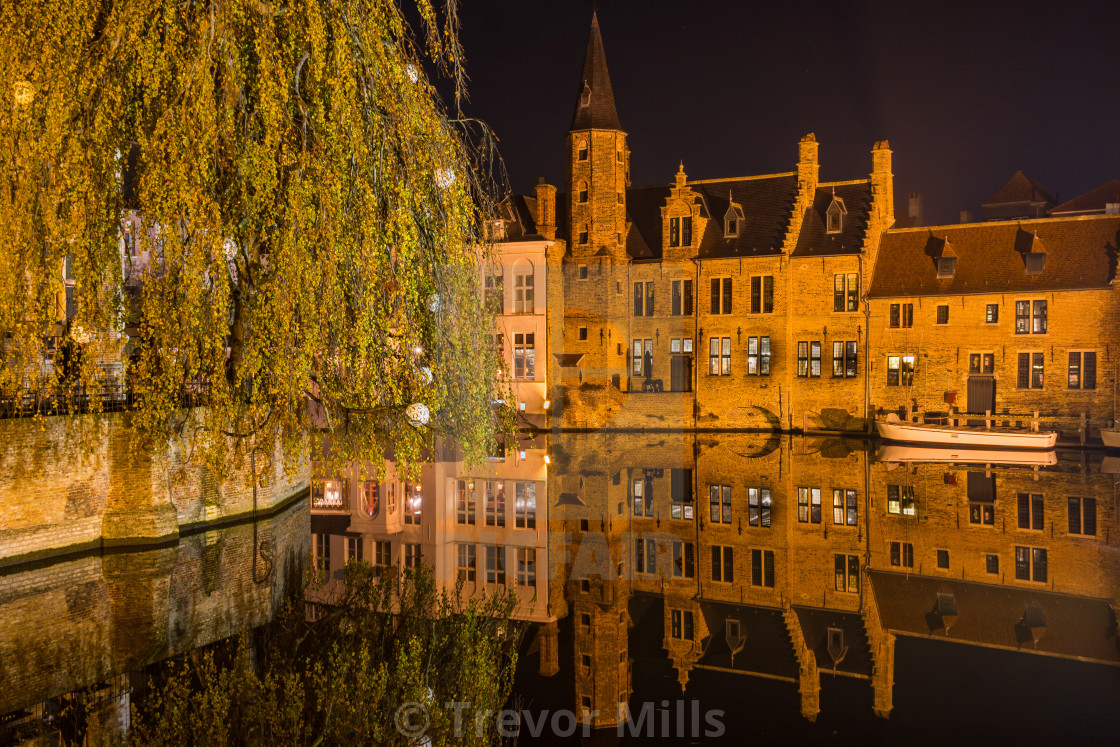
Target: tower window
[(585, 95), (581, 151), (583, 191)]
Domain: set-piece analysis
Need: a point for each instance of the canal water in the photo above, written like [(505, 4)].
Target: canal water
[(690, 586)]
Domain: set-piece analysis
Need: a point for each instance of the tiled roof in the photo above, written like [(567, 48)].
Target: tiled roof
[(1092, 201), (993, 615), (815, 240), (815, 624), (1080, 253), (643, 209), (1020, 188), (767, 204), (599, 113)]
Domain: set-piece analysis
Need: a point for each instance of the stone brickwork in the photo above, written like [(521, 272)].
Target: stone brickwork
[(73, 623), (1078, 321), (57, 497)]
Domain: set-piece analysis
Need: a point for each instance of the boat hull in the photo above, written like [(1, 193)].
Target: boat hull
[(955, 455), (1111, 438), (943, 436)]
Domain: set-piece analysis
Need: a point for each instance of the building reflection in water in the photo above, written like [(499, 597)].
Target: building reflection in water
[(75, 635), (783, 558)]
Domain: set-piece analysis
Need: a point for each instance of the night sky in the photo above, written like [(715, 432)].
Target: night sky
[(966, 93)]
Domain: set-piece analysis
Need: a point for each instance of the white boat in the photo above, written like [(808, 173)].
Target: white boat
[(1111, 437), (952, 454), (893, 429)]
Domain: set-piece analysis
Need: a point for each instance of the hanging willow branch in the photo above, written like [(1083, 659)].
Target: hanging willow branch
[(248, 196)]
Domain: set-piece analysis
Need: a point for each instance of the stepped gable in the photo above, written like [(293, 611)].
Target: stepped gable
[(1093, 201), (815, 240), (767, 204), (1080, 254), (766, 648), (1020, 188), (595, 108)]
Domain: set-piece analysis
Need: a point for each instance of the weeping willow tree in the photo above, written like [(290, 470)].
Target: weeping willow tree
[(263, 205)]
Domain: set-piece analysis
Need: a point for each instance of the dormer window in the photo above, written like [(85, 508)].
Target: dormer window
[(680, 231), (732, 221), (585, 95), (946, 267), (1035, 262), (834, 216)]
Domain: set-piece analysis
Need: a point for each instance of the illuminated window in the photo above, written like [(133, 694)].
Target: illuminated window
[(845, 510), (465, 504), (414, 503), (495, 503), (758, 356), (719, 356), (525, 505), (900, 500), (809, 505), (719, 503), (845, 293), (1082, 372), (758, 507)]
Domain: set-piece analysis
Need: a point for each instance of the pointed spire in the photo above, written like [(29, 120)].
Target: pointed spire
[(595, 102)]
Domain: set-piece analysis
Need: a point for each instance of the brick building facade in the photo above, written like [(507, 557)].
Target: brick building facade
[(766, 302)]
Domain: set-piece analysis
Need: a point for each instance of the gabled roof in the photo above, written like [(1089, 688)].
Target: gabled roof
[(1093, 201), (599, 113), (1080, 254), (815, 240), (998, 616), (766, 202), (1020, 188)]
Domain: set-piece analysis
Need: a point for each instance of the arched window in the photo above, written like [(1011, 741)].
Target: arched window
[(583, 191), (523, 287), (581, 150)]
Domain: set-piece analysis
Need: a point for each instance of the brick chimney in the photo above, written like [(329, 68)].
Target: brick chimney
[(546, 209), (882, 182)]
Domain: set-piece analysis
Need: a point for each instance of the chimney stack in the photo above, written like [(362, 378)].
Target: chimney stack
[(546, 209)]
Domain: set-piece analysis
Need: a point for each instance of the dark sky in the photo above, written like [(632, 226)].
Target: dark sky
[(966, 92)]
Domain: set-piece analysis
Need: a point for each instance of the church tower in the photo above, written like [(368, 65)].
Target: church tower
[(598, 162)]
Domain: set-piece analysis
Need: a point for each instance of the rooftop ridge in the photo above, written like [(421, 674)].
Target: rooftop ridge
[(741, 178), (1040, 221)]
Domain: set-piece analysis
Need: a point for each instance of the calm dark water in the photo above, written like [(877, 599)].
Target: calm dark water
[(684, 587)]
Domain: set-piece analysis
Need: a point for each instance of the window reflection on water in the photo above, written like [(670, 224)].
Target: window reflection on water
[(826, 578), (793, 561)]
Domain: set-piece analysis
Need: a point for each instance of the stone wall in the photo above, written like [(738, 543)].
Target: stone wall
[(74, 623), (56, 496)]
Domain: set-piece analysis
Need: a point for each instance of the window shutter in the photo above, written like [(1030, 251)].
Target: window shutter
[(715, 295), (727, 295), (1089, 372), (1024, 379)]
